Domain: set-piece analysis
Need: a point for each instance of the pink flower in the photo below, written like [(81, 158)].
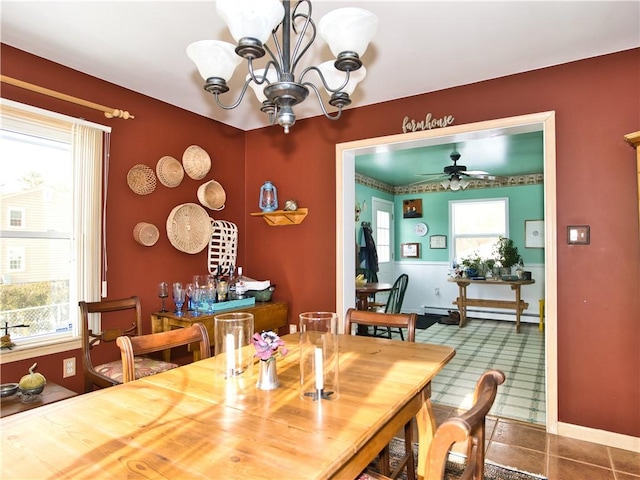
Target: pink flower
[(267, 344)]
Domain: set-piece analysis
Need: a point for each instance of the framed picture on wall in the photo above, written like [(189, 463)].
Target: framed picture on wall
[(410, 250), (534, 233), (412, 208), (438, 241)]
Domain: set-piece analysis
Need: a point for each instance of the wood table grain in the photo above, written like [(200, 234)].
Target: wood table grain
[(189, 423)]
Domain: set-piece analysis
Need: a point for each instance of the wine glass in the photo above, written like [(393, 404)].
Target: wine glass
[(194, 300), (178, 297), (163, 292), (188, 290)]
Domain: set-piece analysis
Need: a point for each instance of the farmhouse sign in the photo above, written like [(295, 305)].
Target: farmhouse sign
[(411, 125)]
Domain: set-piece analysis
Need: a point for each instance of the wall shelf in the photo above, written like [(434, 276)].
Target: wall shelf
[(283, 217)]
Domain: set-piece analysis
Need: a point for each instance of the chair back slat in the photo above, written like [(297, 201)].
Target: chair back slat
[(396, 297), (379, 319), (131, 347)]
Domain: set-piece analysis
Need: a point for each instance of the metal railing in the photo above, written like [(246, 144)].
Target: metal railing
[(36, 321)]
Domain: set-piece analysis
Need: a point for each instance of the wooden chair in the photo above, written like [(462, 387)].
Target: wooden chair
[(394, 302), (133, 347), (389, 320), (467, 427), (123, 317)]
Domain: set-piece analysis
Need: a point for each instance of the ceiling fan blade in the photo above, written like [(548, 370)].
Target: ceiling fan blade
[(475, 172), (439, 174), (483, 176)]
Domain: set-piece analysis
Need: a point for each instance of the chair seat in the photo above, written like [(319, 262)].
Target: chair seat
[(145, 367)]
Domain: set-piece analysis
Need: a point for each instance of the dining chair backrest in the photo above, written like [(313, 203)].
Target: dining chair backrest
[(131, 347), (396, 296), (468, 426), (383, 320), (123, 317)]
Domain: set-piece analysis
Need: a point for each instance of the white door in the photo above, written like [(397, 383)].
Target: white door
[(382, 225)]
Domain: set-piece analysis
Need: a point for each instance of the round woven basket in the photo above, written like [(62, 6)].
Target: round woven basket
[(146, 234), (141, 179), (196, 162), (212, 195), (169, 171), (189, 228)]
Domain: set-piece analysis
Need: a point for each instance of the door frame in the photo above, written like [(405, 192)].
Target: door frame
[(345, 225)]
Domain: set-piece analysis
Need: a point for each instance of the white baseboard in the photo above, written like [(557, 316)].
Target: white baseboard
[(602, 437)]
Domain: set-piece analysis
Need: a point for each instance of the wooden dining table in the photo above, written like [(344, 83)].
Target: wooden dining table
[(364, 291), (190, 423)]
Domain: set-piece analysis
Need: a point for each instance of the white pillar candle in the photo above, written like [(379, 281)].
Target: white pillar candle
[(319, 369), (230, 352)]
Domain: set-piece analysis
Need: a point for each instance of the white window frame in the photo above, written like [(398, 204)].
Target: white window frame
[(13, 252), (453, 254), (88, 248), (21, 211)]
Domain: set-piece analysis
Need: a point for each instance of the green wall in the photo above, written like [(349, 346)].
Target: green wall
[(526, 202)]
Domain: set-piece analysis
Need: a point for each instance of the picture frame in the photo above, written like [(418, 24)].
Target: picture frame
[(412, 208), (534, 233), (410, 250), (438, 241)]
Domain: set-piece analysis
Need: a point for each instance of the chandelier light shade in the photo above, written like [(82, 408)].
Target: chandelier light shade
[(276, 84), (455, 183)]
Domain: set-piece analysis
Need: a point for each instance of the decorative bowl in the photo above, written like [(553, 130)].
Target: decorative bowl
[(8, 389), (262, 295), (32, 391)]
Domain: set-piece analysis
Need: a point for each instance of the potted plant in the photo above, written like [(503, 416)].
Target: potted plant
[(472, 265), (507, 254)]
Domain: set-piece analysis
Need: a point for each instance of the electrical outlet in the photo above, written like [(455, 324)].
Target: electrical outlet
[(293, 328), (436, 291), (68, 367)]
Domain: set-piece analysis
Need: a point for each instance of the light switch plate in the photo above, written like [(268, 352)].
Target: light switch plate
[(578, 234)]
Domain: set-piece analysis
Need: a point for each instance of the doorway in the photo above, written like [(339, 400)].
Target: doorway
[(345, 204)]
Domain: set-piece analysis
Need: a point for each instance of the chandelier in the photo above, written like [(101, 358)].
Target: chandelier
[(347, 31)]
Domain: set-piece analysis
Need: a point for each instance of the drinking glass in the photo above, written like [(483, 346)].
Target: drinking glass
[(163, 292), (188, 291), (232, 340), (194, 300), (178, 297)]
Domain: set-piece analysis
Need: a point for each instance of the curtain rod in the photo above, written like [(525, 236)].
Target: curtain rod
[(108, 112)]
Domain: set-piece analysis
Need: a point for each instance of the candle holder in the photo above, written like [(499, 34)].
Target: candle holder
[(233, 350), (319, 378)]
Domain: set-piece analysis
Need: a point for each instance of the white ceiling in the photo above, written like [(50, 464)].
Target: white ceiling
[(421, 46)]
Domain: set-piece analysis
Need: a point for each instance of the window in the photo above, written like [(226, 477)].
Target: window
[(383, 236), (16, 218), (52, 176), (476, 226)]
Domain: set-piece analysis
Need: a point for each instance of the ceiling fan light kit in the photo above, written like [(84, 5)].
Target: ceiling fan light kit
[(347, 31)]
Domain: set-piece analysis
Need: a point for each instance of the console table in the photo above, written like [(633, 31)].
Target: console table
[(52, 393), (266, 316), (463, 301)]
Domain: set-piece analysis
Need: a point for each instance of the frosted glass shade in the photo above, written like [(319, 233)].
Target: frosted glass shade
[(250, 18), (272, 76), (348, 29), (335, 77), (214, 58)]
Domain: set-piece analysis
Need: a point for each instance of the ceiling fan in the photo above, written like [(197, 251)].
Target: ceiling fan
[(456, 177)]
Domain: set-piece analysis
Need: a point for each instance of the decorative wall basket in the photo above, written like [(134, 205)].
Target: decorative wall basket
[(169, 171), (212, 195), (223, 246), (146, 234), (196, 162), (189, 228), (141, 179)]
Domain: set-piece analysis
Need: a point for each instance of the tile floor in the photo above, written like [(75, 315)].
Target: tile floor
[(527, 447), (485, 344)]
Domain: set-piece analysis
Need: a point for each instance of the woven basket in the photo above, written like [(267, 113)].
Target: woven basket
[(146, 234), (141, 179), (189, 228), (196, 162), (212, 195), (169, 171)]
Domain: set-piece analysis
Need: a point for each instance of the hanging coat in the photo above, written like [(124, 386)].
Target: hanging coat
[(368, 252)]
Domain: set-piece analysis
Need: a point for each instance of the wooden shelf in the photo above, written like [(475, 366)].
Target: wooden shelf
[(283, 217)]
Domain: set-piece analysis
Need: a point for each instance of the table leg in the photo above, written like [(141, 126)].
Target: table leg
[(518, 306), (426, 423), (462, 304), (161, 324), (363, 304)]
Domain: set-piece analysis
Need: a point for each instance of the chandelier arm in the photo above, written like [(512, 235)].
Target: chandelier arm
[(266, 70), (324, 82), (297, 54), (276, 61), (237, 102), (337, 115)]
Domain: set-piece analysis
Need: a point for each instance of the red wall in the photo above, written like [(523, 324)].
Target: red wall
[(597, 101)]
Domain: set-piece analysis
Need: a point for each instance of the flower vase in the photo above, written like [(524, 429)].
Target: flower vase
[(268, 375)]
